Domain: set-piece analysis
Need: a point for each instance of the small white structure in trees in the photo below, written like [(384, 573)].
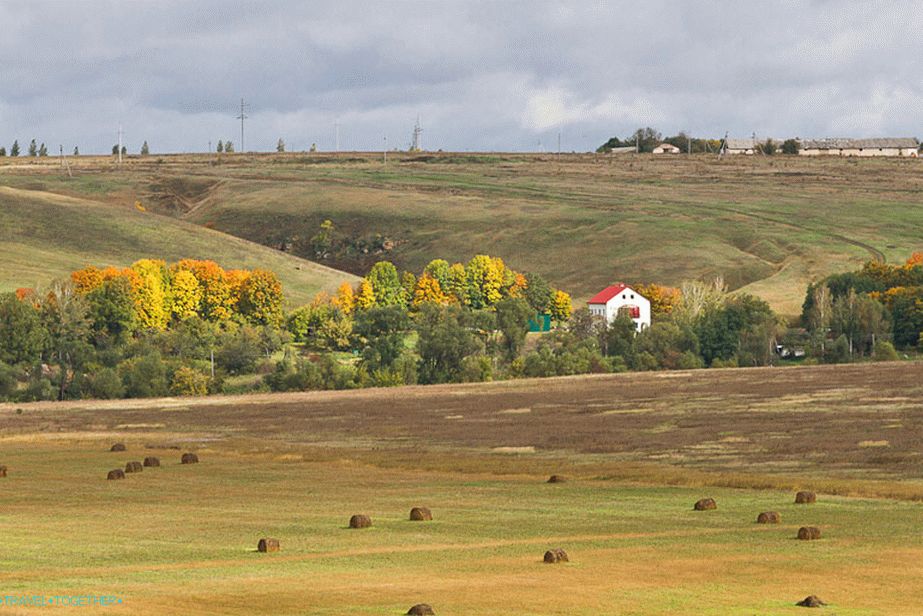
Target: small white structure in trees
[(666, 148), (609, 302)]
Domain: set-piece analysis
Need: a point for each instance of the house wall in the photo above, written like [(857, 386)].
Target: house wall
[(863, 152), (628, 297)]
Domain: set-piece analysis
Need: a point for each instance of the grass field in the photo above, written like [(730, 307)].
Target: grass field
[(44, 236), (638, 450), (767, 224)]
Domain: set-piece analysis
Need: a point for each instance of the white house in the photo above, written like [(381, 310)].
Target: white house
[(612, 300), (666, 148)]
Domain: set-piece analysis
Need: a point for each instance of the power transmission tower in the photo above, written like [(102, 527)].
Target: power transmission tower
[(417, 143), (244, 108)]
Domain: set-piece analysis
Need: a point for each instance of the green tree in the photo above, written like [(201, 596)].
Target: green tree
[(42, 150), (229, 147), (220, 146), (322, 241), (445, 340), (112, 308), (33, 148), (22, 334), (144, 376), (513, 316), (790, 146), (65, 316), (115, 149), (379, 334), (280, 146), (239, 351), (2, 152), (538, 293), (438, 269), (145, 150), (14, 151), (76, 151), (386, 284), (769, 147)]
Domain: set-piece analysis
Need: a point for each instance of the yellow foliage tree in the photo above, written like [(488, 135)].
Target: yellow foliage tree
[(365, 297), (261, 298), (561, 306), (186, 295), (429, 291), (485, 279), (237, 279), (663, 299), (458, 284), (152, 295), (345, 299), (217, 302)]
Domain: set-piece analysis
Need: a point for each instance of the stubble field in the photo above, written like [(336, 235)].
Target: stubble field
[(638, 450)]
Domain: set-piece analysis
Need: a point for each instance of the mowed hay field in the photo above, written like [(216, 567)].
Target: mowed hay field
[(44, 236), (637, 451), (769, 225)]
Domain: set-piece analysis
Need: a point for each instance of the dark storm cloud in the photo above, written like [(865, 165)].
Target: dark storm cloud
[(482, 75)]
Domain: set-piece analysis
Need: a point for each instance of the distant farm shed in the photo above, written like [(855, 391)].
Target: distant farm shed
[(609, 302), (891, 146), (666, 148), (741, 146)]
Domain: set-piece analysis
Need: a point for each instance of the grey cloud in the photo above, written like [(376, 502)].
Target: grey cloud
[(483, 75)]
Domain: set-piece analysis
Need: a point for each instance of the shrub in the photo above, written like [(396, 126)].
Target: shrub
[(240, 351), (104, 384), (884, 351), (144, 376), (189, 382)]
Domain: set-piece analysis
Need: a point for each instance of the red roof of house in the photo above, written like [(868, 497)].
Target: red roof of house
[(608, 293)]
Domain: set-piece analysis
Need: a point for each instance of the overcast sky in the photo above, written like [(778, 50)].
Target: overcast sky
[(481, 75)]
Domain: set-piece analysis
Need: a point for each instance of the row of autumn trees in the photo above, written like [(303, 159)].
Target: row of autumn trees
[(451, 322), (851, 314), (140, 331)]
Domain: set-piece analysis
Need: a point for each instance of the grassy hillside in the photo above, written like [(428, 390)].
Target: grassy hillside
[(44, 236), (767, 224), (182, 538)]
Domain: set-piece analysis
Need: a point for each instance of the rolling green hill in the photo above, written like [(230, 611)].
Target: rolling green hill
[(768, 225), (44, 236)]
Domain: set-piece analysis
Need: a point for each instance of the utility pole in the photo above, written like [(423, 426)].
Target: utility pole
[(120, 144), (244, 107), (336, 136), (62, 155), (385, 153), (559, 142)]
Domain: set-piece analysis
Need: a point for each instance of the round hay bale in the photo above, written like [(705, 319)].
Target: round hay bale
[(151, 461), (556, 555), (557, 479), (811, 601), (808, 533), (421, 514), (421, 609), (805, 498), (189, 458), (705, 504), (769, 517), (267, 544), (133, 467), (118, 447), (2, 471), (116, 474), (360, 521)]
